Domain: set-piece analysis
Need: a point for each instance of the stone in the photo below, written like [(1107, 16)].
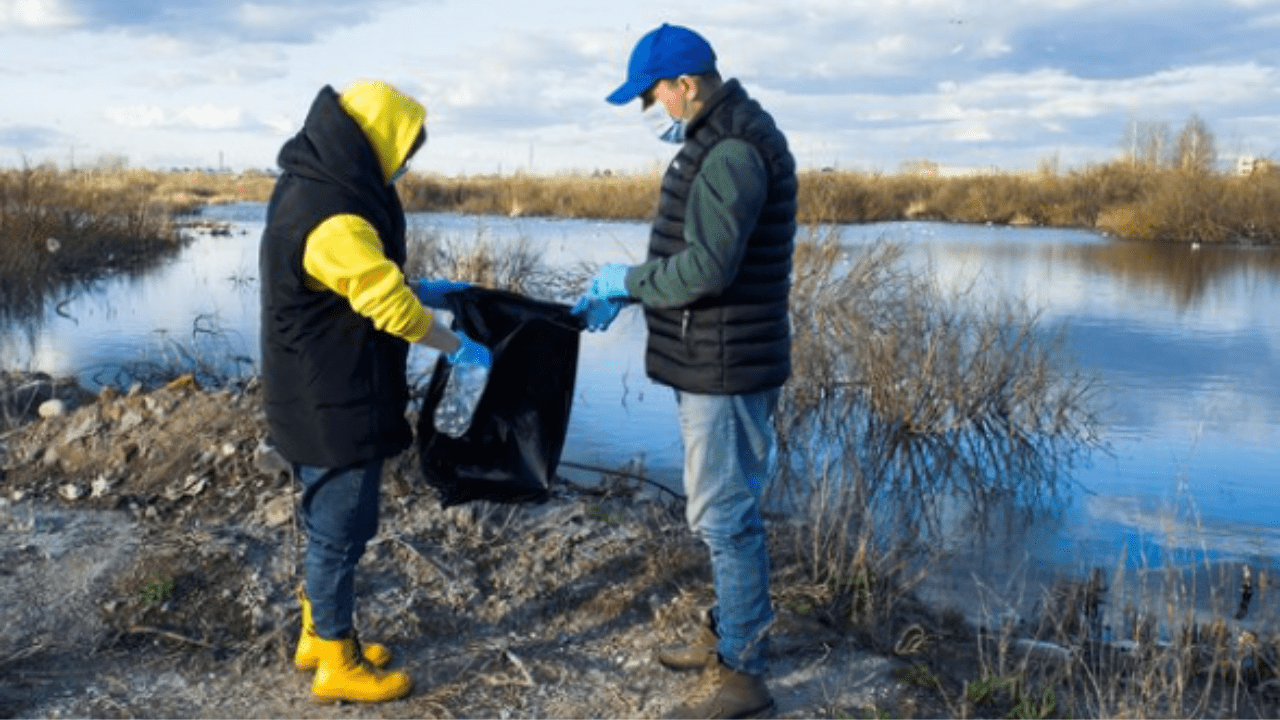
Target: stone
[(194, 485), (100, 486), (52, 408), (268, 461), (131, 420), (278, 510), (71, 491)]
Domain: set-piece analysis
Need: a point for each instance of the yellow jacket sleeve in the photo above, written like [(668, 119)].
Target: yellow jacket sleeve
[(345, 255)]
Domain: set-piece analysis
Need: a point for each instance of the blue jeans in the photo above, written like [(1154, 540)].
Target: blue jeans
[(729, 444), (340, 513)]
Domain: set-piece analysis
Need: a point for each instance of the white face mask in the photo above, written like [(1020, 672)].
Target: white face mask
[(667, 128)]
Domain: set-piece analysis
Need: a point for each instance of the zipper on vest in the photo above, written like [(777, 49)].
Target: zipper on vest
[(684, 325)]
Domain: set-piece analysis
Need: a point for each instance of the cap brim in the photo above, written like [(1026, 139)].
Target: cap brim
[(629, 90)]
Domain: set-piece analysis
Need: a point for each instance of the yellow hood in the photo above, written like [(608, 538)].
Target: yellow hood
[(389, 119)]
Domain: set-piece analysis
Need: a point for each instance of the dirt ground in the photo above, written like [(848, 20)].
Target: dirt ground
[(149, 556)]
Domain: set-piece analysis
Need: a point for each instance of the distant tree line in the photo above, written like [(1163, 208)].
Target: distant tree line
[(1152, 144)]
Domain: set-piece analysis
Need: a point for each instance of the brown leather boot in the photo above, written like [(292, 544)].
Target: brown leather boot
[(695, 655), (732, 695)]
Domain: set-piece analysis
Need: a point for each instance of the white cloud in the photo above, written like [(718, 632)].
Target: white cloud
[(1048, 94), (197, 117), (211, 117), (882, 81), (994, 47), (972, 132), (137, 116), (281, 125), (203, 21), (264, 15), (36, 14)]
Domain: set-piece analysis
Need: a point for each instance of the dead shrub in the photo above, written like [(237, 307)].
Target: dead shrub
[(903, 403)]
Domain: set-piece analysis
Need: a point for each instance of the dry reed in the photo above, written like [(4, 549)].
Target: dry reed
[(605, 196), (53, 231), (901, 403)]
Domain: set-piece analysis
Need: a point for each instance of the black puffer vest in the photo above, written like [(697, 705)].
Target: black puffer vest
[(740, 341), (334, 386)]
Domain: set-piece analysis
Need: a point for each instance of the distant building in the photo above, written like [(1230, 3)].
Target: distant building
[(1250, 165), (929, 168)]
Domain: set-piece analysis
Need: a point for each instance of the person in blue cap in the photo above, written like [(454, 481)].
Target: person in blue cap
[(715, 289)]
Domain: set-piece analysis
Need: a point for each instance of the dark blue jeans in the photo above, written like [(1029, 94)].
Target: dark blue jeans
[(340, 513)]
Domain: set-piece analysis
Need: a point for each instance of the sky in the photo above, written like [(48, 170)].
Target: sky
[(519, 85)]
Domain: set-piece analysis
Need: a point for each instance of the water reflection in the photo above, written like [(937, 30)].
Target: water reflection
[(202, 301), (1181, 274), (24, 299), (1184, 341)]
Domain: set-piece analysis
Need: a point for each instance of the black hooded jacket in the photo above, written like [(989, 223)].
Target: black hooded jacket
[(334, 385)]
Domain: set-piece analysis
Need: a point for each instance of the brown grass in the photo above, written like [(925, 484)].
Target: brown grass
[(1131, 202), (612, 197), (1125, 200), (1134, 645), (514, 265), (53, 230)]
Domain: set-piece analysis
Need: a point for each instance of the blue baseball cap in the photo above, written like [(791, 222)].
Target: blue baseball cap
[(667, 52)]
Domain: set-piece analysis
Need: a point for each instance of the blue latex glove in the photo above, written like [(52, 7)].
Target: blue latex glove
[(469, 352), (610, 282), (431, 292), (597, 312)]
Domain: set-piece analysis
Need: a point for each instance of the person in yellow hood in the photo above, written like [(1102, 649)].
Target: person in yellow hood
[(338, 316)]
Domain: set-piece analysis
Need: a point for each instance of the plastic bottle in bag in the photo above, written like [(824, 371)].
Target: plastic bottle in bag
[(462, 393)]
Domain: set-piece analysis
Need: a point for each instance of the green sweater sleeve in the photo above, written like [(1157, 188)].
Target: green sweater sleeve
[(724, 204)]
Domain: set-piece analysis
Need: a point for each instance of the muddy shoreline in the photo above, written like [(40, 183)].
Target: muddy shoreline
[(149, 557)]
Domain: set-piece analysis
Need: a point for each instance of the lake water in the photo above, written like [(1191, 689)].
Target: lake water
[(1184, 341)]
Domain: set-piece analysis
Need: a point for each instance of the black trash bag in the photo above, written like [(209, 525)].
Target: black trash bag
[(510, 452)]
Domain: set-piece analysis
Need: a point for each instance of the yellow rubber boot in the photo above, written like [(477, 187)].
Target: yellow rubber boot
[(305, 657), (342, 673)]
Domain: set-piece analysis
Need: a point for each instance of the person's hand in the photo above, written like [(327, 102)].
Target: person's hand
[(610, 282), (469, 352), (431, 292), (597, 312)]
